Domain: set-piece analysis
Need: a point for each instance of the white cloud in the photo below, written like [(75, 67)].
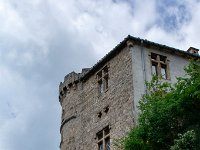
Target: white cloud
[(25, 112), (12, 23), (42, 41)]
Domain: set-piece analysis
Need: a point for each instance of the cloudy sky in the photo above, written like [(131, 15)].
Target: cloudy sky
[(43, 40)]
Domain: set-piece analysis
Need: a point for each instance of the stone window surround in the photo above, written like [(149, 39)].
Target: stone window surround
[(103, 138), (160, 62), (102, 80)]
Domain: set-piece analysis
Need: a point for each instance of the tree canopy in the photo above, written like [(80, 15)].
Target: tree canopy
[(169, 116)]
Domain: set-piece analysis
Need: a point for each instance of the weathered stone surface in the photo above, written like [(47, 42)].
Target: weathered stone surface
[(84, 103), (85, 112)]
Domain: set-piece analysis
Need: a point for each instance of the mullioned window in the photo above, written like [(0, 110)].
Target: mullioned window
[(103, 138), (103, 77), (159, 66)]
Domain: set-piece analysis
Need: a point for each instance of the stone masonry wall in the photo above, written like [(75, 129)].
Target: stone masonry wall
[(82, 103)]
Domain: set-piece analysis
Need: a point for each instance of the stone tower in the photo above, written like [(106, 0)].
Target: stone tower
[(99, 105), (71, 100)]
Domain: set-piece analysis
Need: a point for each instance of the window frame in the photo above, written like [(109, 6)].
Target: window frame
[(103, 80), (103, 137), (160, 62)]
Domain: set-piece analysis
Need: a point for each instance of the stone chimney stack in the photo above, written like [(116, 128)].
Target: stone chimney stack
[(193, 50)]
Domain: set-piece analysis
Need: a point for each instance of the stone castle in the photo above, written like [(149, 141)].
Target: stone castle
[(99, 104)]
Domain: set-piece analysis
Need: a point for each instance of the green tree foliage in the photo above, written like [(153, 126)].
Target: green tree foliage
[(185, 141), (169, 115)]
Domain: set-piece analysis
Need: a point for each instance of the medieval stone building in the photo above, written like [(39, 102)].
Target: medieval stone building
[(99, 105)]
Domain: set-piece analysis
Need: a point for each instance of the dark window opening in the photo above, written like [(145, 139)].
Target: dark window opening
[(100, 145), (106, 131), (100, 135), (162, 59), (107, 143), (153, 56)]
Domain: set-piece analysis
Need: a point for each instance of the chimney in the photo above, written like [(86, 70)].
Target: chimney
[(193, 50)]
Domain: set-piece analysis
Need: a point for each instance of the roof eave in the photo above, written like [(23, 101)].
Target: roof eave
[(136, 41)]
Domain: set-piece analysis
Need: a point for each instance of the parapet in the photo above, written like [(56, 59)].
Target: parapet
[(70, 80), (73, 77)]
